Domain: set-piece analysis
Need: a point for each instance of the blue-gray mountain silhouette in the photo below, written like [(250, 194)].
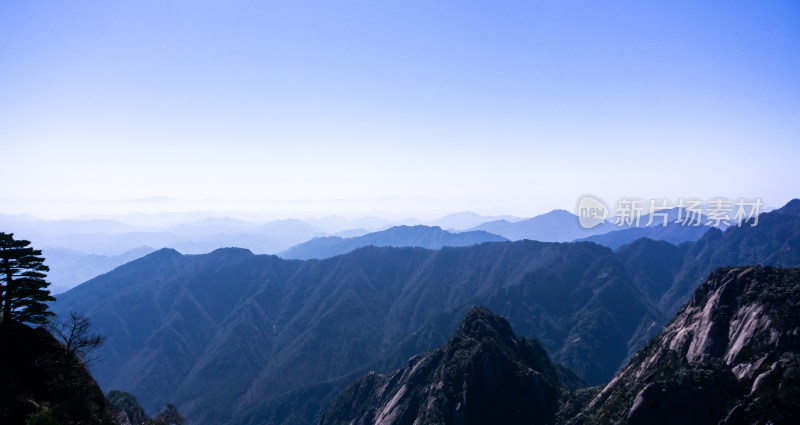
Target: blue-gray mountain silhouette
[(398, 236)]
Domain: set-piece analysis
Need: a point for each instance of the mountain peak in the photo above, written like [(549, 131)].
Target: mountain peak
[(162, 254), (480, 323), (430, 237), (232, 252), (165, 252), (791, 208), (483, 375), (558, 212)]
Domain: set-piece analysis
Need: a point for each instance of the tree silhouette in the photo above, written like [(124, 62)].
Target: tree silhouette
[(22, 274), (73, 330)]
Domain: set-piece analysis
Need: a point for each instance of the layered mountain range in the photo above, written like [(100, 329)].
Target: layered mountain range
[(234, 337), (71, 268), (397, 236), (202, 232), (731, 356), (80, 249), (233, 329)]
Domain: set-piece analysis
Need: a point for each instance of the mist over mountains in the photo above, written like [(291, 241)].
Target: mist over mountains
[(399, 213), (70, 268), (79, 249), (235, 337), (231, 328), (554, 226), (397, 236)]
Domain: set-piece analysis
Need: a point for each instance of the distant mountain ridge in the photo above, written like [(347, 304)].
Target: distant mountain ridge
[(563, 226), (673, 233), (265, 328), (554, 226), (270, 237), (674, 226), (71, 268), (201, 232), (398, 236), (774, 241)]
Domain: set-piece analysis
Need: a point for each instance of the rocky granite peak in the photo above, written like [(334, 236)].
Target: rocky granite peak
[(483, 375), (730, 356)]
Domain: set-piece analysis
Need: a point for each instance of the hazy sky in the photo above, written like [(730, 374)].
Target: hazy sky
[(406, 107)]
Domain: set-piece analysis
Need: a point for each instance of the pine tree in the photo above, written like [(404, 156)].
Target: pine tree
[(23, 289)]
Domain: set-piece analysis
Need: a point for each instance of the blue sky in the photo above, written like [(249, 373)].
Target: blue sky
[(401, 107)]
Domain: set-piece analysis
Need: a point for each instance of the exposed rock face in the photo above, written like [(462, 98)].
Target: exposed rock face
[(38, 376), (730, 356), (483, 375)]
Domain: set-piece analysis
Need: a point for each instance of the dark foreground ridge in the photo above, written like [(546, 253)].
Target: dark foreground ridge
[(730, 357), (483, 375), (38, 378)]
